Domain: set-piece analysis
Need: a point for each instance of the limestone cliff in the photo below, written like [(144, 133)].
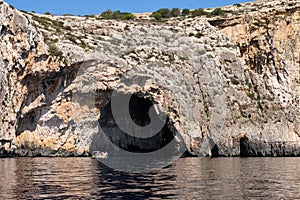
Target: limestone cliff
[(232, 79)]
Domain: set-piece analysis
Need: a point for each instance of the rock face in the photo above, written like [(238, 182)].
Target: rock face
[(232, 79)]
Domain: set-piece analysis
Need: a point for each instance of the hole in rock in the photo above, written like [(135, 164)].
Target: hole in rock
[(139, 114)]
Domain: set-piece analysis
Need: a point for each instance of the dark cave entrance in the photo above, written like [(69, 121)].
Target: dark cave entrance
[(139, 113)]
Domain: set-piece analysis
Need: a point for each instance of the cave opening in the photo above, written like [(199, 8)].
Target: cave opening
[(139, 107)]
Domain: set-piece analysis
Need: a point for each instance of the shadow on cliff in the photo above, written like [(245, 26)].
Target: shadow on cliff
[(46, 85)]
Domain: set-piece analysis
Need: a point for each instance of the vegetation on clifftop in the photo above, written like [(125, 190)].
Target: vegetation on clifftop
[(160, 14), (165, 13), (117, 15)]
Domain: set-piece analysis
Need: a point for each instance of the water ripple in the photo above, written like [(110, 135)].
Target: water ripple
[(188, 178)]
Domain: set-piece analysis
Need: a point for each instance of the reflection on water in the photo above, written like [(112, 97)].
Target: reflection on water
[(188, 178)]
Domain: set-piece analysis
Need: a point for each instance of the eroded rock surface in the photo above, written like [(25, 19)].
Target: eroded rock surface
[(233, 80)]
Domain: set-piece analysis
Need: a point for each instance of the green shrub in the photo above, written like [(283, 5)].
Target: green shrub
[(157, 16), (44, 21), (89, 16), (77, 39), (55, 40), (66, 15), (251, 95), (202, 52), (175, 12), (198, 12), (47, 13), (107, 14), (199, 35), (59, 24), (127, 16), (71, 37), (218, 12), (68, 28), (164, 12), (47, 22), (185, 12), (126, 28), (235, 81), (237, 5), (210, 56), (117, 15), (54, 51)]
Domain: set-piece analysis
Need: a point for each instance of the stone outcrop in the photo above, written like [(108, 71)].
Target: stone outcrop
[(268, 39), (232, 79)]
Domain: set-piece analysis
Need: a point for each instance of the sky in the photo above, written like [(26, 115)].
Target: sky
[(84, 7)]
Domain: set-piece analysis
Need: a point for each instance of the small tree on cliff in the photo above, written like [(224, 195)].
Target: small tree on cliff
[(157, 16), (185, 12), (175, 12), (107, 14), (164, 12)]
